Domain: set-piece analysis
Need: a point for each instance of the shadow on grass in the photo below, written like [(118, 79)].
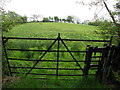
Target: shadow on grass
[(89, 82)]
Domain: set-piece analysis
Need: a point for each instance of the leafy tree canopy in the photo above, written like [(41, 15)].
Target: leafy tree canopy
[(10, 19)]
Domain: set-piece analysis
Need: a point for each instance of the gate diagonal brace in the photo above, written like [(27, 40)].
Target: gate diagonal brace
[(4, 41), (57, 39), (71, 54), (41, 57)]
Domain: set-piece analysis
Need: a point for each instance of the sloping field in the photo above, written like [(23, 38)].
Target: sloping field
[(50, 30)]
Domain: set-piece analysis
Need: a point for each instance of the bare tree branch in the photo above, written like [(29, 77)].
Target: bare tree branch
[(109, 12)]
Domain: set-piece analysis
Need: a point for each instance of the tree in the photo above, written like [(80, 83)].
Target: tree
[(50, 18), (24, 19), (63, 19), (6, 22), (56, 18), (69, 19), (35, 17), (118, 11), (114, 21), (113, 18), (10, 19), (60, 20), (2, 14), (45, 19)]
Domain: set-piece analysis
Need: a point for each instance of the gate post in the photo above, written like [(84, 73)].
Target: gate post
[(6, 56), (87, 60), (105, 64)]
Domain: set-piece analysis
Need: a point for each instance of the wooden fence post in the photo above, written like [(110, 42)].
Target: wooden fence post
[(111, 57), (105, 64), (99, 72), (87, 60)]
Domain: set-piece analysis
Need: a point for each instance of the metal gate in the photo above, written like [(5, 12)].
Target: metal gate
[(58, 40)]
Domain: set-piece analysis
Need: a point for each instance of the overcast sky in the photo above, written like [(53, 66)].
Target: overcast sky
[(60, 8)]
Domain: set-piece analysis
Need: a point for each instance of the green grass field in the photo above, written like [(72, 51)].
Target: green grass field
[(50, 30)]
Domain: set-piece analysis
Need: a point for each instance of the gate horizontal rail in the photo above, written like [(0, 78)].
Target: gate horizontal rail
[(55, 39), (42, 50), (98, 50), (49, 60), (54, 68), (51, 74)]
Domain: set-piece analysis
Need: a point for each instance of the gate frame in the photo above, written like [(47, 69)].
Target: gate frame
[(88, 57)]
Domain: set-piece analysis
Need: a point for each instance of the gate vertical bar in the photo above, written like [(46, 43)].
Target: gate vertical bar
[(58, 54), (7, 58)]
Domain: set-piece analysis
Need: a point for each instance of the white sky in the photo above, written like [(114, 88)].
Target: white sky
[(60, 8)]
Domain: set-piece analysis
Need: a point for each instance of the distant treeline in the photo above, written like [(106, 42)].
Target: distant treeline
[(10, 19), (35, 18)]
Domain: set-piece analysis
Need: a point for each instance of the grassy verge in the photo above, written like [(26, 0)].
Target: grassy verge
[(89, 82)]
